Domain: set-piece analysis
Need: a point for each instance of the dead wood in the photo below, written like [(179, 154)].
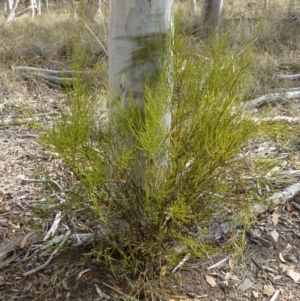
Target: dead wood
[(56, 77), (277, 119), (289, 76), (284, 90), (272, 99), (58, 73)]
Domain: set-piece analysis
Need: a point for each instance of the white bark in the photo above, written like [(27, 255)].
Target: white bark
[(39, 7), (272, 99), (193, 5), (211, 13), (10, 7), (33, 8), (134, 57)]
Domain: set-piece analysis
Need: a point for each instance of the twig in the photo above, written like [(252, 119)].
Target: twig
[(274, 297), (289, 76), (256, 264), (54, 226), (54, 183), (182, 262), (295, 205), (96, 38), (217, 264), (265, 242), (272, 99), (118, 292), (50, 257)]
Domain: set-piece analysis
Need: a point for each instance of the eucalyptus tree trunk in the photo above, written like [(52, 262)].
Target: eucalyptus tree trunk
[(138, 31), (211, 14), (34, 8), (9, 8), (193, 5)]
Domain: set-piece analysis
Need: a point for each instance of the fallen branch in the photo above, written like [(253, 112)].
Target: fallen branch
[(59, 73), (40, 267), (54, 226), (19, 121), (284, 196), (289, 76), (284, 90), (272, 99), (57, 77), (52, 182), (15, 121), (277, 119)]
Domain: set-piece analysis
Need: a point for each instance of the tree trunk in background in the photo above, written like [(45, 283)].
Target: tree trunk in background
[(134, 58), (193, 5), (9, 8), (33, 8), (211, 14)]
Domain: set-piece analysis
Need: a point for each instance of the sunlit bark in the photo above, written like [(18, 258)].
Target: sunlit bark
[(135, 56)]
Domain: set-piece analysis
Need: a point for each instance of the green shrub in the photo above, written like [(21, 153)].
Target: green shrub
[(142, 224)]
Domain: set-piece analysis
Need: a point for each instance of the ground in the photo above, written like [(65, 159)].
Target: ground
[(267, 269), (265, 266)]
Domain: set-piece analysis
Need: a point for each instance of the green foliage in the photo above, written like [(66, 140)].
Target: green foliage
[(187, 170)]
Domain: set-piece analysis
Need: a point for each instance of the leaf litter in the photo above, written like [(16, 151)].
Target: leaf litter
[(269, 267)]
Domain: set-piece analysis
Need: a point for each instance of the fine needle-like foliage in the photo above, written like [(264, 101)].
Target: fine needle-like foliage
[(142, 224)]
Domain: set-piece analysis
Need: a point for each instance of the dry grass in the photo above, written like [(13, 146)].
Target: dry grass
[(48, 40)]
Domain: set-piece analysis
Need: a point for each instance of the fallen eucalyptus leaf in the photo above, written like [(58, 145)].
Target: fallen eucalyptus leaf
[(268, 290), (293, 275), (210, 280)]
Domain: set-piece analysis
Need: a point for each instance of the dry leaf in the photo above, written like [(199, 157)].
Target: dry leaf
[(210, 280), (247, 283), (293, 275), (289, 207), (24, 240), (291, 258), (163, 270), (227, 276), (275, 218), (254, 295), (273, 237), (281, 257), (269, 290)]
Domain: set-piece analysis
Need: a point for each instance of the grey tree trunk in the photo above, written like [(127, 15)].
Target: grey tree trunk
[(134, 58), (211, 14), (9, 8), (193, 5)]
